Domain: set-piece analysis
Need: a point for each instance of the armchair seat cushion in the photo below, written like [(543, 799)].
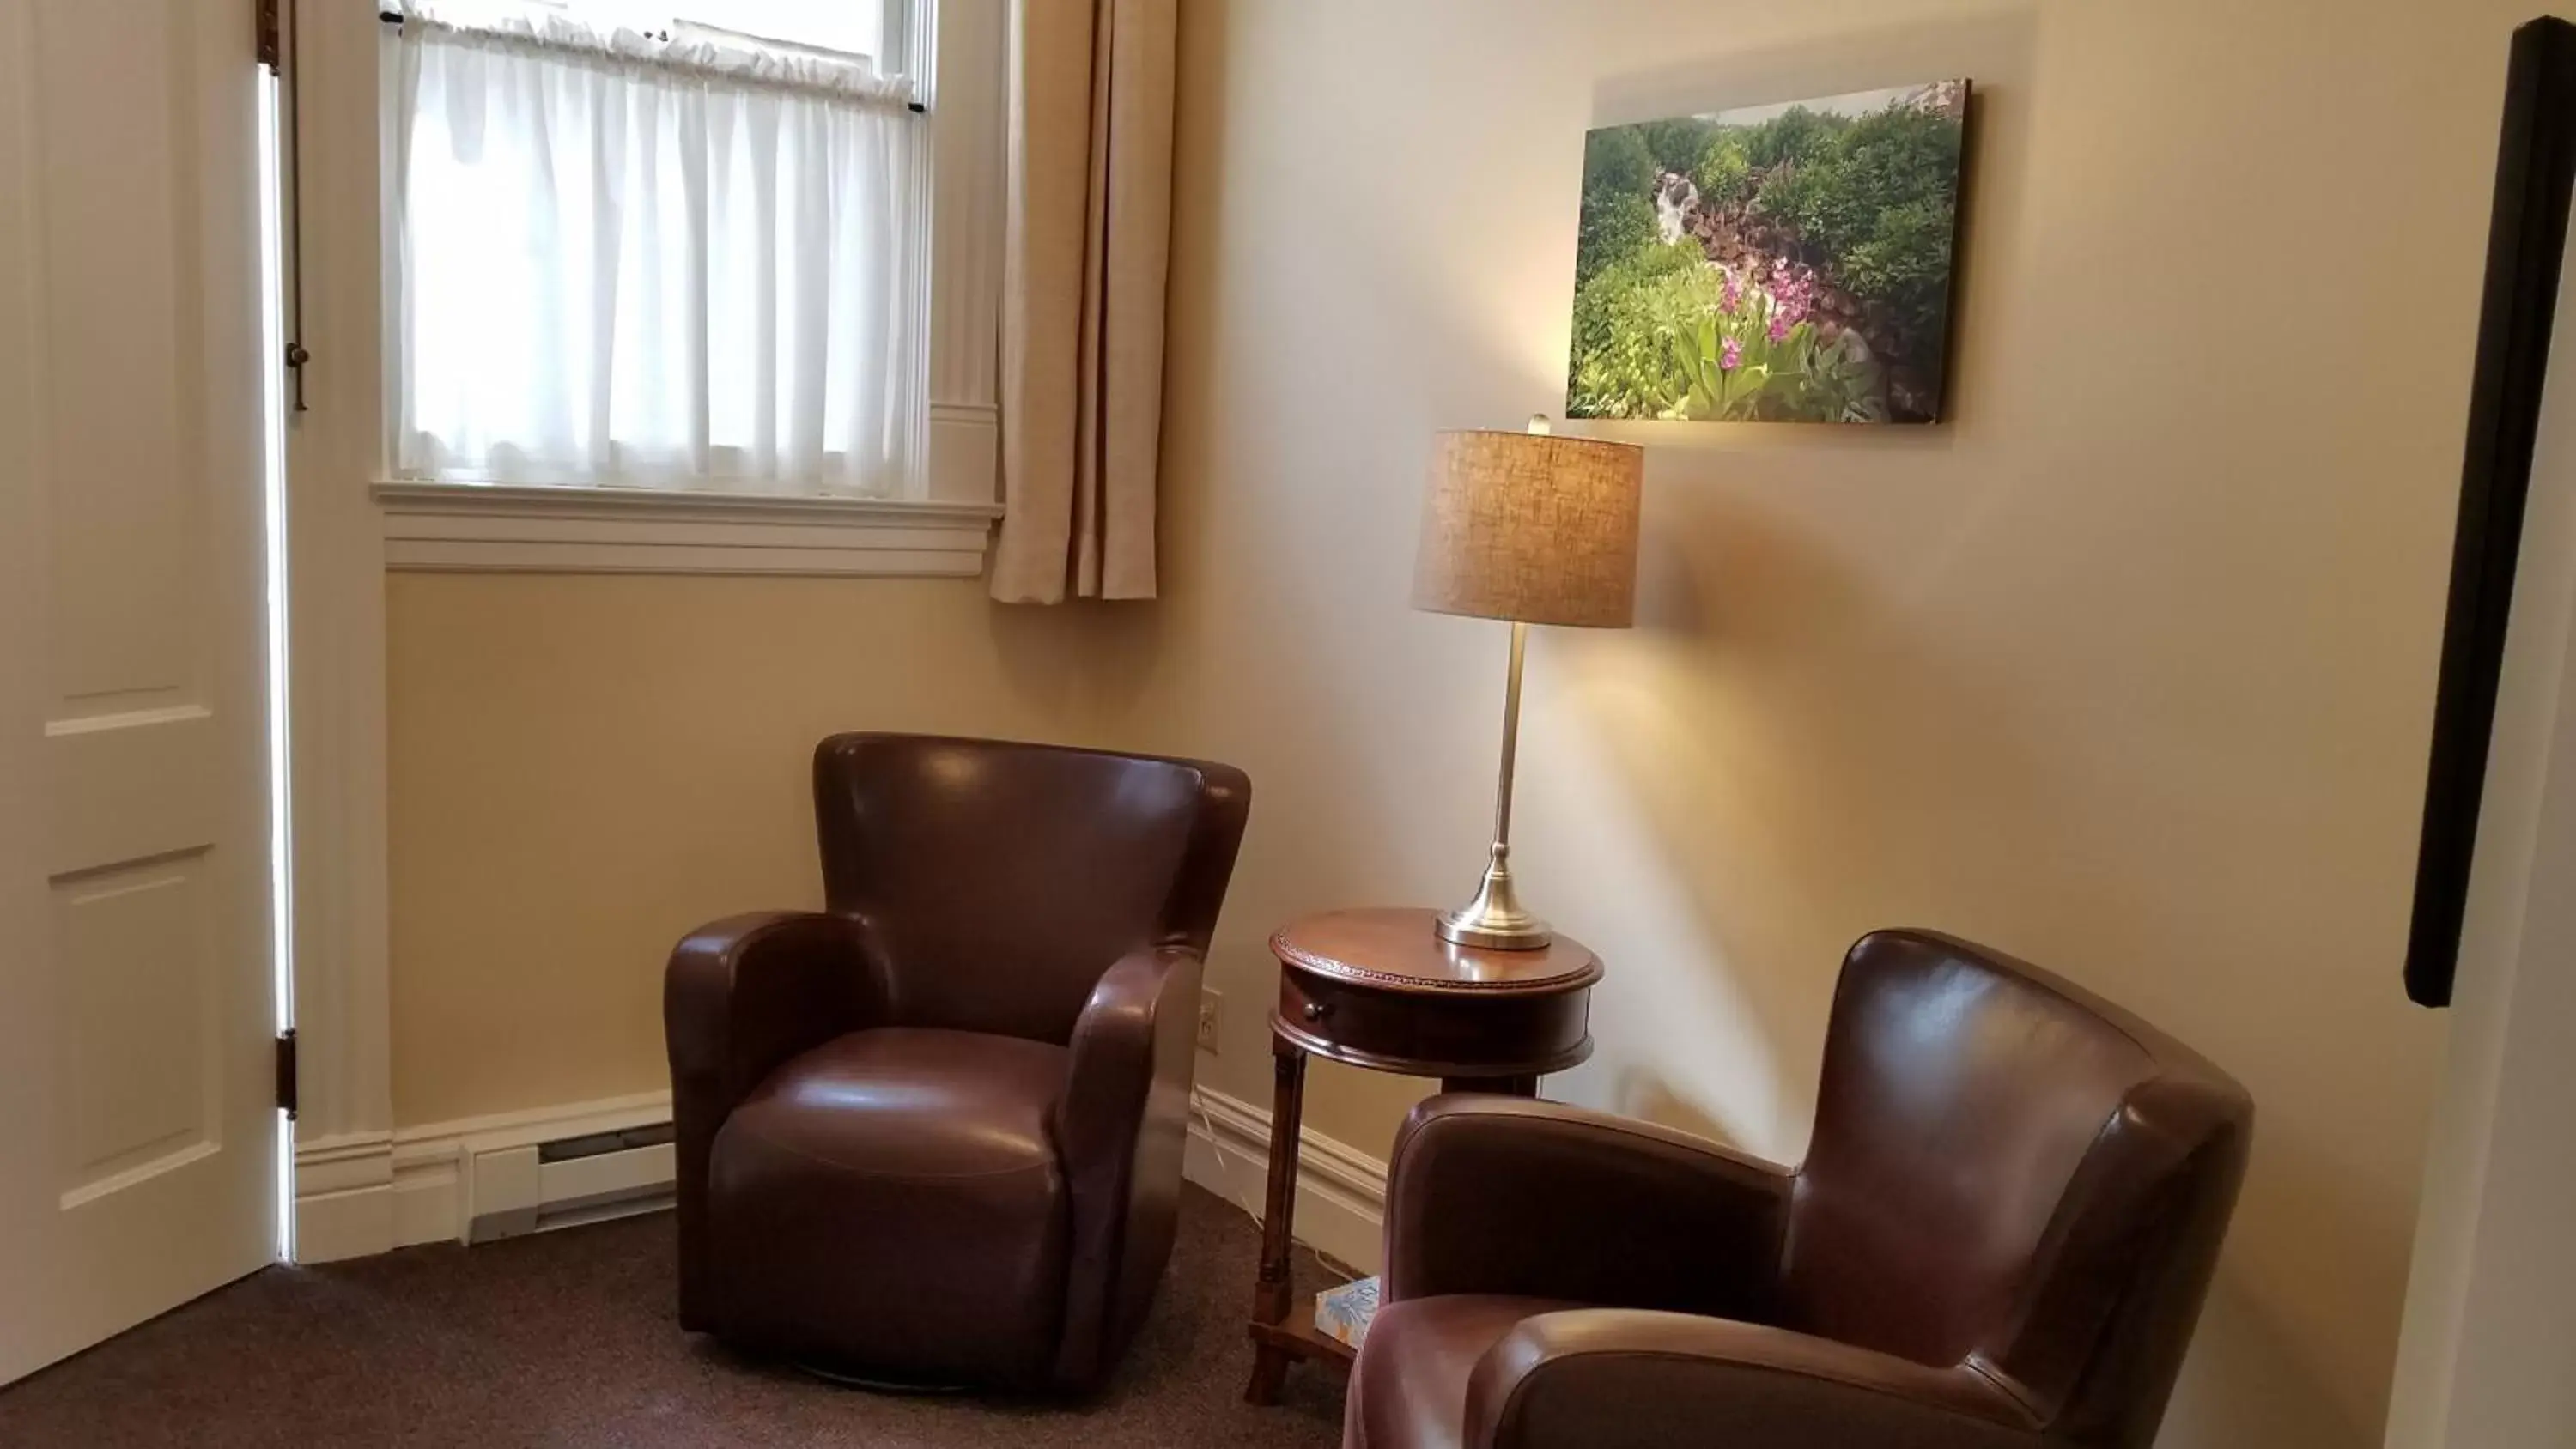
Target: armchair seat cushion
[(907, 1102), (1416, 1362), (892, 1200)]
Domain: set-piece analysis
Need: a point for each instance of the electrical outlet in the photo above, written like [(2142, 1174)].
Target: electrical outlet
[(1211, 1008)]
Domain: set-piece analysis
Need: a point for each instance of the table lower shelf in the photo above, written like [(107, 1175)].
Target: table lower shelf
[(1277, 1345), (1302, 1340)]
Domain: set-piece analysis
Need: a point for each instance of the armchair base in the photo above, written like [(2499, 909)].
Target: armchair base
[(842, 1379)]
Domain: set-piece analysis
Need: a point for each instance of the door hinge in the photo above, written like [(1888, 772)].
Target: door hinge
[(271, 34), (286, 1073)]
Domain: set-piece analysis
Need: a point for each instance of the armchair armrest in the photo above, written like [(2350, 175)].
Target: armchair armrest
[(1505, 1195), (1623, 1379), (1121, 1128), (744, 994), (740, 997)]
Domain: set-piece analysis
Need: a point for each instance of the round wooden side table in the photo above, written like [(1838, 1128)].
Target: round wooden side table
[(1377, 989)]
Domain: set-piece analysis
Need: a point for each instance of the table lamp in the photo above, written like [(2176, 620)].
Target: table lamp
[(1535, 529)]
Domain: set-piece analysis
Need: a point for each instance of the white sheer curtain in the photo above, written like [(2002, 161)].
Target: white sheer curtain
[(622, 260)]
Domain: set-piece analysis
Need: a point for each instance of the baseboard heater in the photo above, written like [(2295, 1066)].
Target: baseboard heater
[(567, 1182)]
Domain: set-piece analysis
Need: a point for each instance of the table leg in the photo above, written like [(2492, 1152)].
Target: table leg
[(1271, 1295)]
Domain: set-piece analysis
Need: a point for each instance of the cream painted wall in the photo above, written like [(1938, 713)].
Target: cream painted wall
[(584, 768), (2127, 669), (2491, 1301)]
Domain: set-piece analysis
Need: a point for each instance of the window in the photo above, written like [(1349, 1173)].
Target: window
[(852, 29), (679, 245)]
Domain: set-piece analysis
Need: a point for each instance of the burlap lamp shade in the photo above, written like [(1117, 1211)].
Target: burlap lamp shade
[(1529, 527)]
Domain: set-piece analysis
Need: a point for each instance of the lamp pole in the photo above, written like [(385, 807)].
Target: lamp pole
[(1494, 918)]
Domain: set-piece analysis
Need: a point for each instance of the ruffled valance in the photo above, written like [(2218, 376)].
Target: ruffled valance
[(717, 55)]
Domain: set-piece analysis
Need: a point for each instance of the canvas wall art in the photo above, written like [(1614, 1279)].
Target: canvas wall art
[(1781, 263)]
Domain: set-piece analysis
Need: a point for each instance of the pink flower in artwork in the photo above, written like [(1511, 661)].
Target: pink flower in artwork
[(1779, 326), (1733, 295), (1730, 355), (1793, 296)]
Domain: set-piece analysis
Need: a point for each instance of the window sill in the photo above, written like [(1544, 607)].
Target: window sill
[(473, 528)]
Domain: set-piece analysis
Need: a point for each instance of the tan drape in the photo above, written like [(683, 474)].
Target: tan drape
[(1082, 303)]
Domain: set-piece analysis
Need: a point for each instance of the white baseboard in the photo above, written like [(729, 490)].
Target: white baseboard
[(1341, 1191), (369, 1193)]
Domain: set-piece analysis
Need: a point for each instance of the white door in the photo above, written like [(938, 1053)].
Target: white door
[(138, 1160)]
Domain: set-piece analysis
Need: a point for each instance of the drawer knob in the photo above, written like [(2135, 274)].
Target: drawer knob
[(1317, 1011)]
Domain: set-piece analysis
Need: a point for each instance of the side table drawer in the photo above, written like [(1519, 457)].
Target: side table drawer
[(1455, 1034)]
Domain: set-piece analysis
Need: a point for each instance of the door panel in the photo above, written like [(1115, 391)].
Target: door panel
[(131, 958), (128, 786), (138, 1146), (112, 223)]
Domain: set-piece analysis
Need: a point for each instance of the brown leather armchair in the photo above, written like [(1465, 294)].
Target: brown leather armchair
[(932, 1135), (2001, 1237)]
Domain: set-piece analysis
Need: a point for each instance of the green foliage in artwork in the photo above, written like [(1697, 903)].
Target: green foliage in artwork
[(1811, 229), (1619, 226), (1793, 135), (1677, 144), (1878, 200), (1803, 377), (1622, 364), (1904, 263), (1618, 204), (1663, 335), (1724, 174), (1617, 163)]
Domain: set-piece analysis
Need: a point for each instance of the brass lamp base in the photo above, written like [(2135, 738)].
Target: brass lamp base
[(1494, 919)]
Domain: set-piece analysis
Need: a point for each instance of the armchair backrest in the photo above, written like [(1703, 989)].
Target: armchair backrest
[(2009, 1171), (999, 880)]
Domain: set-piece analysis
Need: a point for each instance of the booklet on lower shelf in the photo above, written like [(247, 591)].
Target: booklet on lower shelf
[(1343, 1313)]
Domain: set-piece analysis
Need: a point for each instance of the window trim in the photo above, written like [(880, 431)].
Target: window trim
[(460, 526), (478, 528)]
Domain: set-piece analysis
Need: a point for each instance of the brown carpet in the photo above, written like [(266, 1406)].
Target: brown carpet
[(567, 1338)]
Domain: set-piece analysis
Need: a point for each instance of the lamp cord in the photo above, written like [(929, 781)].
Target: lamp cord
[(1224, 1169)]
